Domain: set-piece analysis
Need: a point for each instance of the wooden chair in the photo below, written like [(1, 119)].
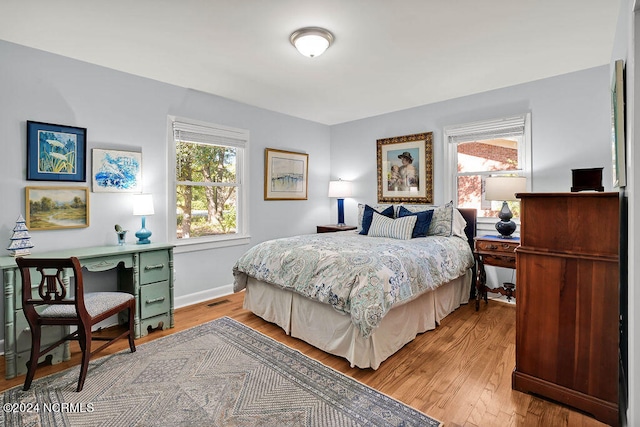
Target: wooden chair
[(56, 307)]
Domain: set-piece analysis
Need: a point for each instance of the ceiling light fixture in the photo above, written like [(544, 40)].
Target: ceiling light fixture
[(311, 41)]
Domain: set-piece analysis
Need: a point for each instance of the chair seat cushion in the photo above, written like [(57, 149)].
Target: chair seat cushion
[(95, 302)]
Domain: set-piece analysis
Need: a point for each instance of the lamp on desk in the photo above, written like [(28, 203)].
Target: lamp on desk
[(340, 189), (504, 188), (143, 205)]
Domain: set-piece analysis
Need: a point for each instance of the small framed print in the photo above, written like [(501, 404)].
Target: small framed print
[(56, 152), (51, 208), (285, 175), (115, 171)]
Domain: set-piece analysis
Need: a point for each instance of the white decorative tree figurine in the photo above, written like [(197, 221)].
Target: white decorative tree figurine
[(20, 239)]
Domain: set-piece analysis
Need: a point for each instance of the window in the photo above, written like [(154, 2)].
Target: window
[(209, 183), (490, 148)]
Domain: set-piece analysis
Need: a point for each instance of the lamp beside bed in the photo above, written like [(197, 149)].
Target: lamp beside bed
[(340, 189), (504, 188)]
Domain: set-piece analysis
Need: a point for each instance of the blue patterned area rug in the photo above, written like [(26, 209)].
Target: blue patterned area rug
[(222, 373)]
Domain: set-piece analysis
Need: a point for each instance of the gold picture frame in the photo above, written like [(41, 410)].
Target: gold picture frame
[(52, 208), (405, 169), (285, 175)]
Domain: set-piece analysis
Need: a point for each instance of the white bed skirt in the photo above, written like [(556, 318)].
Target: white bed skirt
[(331, 331)]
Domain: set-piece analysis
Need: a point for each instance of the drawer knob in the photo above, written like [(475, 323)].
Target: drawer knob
[(490, 246), (151, 301), (153, 267)]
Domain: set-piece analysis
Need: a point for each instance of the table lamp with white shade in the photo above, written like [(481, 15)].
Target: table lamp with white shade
[(340, 189), (504, 188), (143, 205)]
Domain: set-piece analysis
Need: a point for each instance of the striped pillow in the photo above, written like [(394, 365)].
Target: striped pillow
[(400, 228)]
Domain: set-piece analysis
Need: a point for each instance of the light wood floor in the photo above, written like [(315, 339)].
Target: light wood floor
[(459, 373)]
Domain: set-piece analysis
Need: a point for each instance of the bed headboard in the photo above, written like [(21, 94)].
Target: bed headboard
[(471, 216)]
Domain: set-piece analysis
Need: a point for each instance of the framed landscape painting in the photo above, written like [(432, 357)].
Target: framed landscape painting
[(285, 175), (115, 171), (50, 208), (56, 152), (405, 169)]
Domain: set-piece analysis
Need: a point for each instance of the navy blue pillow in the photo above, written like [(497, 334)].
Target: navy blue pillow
[(422, 224), (367, 217)]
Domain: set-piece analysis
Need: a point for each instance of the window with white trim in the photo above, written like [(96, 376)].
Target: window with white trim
[(210, 181), (477, 150)]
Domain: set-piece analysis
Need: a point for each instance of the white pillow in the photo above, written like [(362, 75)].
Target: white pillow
[(400, 228), (459, 224)]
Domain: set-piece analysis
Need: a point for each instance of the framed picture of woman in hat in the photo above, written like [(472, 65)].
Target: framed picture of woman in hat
[(405, 169)]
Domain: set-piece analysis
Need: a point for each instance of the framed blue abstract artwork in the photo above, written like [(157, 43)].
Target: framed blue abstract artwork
[(56, 152), (115, 171)]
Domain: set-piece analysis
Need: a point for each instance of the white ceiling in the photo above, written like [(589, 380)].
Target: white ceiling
[(387, 55)]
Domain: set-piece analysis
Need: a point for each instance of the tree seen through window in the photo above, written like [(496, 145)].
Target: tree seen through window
[(206, 194)]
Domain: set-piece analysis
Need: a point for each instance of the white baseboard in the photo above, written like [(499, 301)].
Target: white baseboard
[(198, 297)]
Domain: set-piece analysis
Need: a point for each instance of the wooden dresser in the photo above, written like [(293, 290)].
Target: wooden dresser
[(567, 300)]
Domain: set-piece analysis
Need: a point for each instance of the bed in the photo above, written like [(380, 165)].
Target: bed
[(396, 288)]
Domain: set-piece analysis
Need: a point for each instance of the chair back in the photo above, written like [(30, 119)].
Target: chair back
[(53, 283)]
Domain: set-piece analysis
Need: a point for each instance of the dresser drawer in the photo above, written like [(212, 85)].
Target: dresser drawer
[(154, 299), (154, 267)]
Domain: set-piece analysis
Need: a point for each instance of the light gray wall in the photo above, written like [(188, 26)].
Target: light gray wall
[(122, 111), (570, 118)]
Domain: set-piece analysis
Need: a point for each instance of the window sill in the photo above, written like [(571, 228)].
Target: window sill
[(183, 246)]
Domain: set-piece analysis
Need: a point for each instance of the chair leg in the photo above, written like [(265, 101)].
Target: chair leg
[(32, 365), (84, 338), (132, 344)]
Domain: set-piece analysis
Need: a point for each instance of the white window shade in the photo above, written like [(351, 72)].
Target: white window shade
[(209, 135), (494, 129)]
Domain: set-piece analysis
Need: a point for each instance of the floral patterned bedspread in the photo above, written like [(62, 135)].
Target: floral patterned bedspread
[(359, 275)]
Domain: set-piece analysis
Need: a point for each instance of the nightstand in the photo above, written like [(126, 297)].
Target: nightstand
[(334, 228), (499, 252)]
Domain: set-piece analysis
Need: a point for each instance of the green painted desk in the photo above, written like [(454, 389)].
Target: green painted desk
[(146, 271)]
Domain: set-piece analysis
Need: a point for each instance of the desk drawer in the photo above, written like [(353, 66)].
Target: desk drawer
[(154, 267), (154, 299)]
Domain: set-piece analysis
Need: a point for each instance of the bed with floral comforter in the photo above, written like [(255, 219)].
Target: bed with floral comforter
[(361, 276)]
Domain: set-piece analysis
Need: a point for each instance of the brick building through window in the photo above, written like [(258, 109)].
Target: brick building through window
[(478, 150)]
